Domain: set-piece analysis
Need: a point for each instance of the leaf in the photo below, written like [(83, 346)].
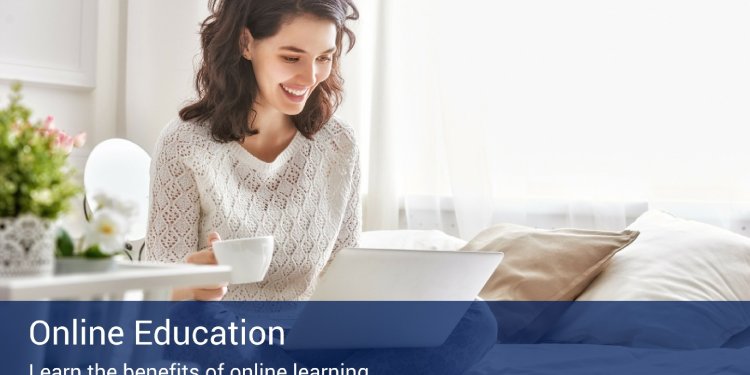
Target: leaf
[(95, 252), (64, 243)]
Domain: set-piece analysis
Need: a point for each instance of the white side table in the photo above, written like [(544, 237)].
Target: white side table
[(156, 280)]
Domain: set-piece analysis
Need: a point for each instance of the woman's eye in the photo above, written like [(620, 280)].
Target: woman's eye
[(324, 58), (290, 59)]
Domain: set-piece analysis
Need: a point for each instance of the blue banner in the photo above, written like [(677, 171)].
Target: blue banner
[(338, 338)]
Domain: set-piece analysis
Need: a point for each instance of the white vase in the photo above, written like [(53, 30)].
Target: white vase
[(69, 265), (27, 246)]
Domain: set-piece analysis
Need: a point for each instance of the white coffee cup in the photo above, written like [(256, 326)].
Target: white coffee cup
[(248, 257)]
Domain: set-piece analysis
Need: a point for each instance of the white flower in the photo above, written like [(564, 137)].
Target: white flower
[(107, 229)]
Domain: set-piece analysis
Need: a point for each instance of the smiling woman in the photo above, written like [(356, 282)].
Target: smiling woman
[(260, 153)]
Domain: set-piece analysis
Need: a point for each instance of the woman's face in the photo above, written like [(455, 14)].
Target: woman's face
[(291, 64)]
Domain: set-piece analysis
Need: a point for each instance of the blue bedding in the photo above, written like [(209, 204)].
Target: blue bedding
[(584, 359)]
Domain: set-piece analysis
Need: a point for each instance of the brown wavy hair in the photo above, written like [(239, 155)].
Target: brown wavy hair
[(226, 82)]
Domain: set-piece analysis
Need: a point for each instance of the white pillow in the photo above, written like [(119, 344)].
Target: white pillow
[(410, 239), (676, 260), (673, 259)]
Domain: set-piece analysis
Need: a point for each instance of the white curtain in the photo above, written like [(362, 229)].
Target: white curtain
[(550, 114)]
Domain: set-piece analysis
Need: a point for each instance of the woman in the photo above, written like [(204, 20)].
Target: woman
[(259, 152)]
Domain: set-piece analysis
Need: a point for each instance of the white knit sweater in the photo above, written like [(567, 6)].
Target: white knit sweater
[(307, 199)]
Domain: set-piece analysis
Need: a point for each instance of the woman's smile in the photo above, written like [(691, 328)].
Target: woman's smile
[(295, 95)]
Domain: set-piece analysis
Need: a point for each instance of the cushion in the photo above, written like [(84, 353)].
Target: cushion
[(546, 265), (693, 269), (410, 240), (541, 265), (677, 260)]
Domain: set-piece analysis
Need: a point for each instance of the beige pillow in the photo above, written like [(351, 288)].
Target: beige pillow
[(546, 265)]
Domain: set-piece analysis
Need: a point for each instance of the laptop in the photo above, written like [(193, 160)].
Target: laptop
[(427, 294)]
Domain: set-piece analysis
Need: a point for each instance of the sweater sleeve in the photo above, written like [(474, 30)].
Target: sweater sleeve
[(351, 225), (174, 210)]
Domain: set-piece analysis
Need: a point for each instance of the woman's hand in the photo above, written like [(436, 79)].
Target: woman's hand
[(204, 293)]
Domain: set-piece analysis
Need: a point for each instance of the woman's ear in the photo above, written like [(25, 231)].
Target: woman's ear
[(246, 42)]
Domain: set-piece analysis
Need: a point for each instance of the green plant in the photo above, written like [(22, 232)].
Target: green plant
[(34, 175)]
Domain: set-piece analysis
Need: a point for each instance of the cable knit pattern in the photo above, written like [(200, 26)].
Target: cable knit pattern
[(308, 199)]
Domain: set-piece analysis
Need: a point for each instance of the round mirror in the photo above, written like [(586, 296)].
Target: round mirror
[(120, 168)]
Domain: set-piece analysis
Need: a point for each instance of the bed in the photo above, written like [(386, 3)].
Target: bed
[(584, 359), (665, 296)]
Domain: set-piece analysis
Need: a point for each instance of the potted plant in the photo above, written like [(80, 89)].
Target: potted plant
[(36, 186)]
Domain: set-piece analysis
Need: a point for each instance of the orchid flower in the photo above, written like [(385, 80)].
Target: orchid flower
[(107, 229), (110, 224)]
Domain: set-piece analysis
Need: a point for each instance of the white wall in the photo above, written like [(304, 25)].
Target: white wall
[(163, 46), (144, 67), (96, 111), (77, 109)]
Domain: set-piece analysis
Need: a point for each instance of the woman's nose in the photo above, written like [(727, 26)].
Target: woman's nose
[(308, 74)]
